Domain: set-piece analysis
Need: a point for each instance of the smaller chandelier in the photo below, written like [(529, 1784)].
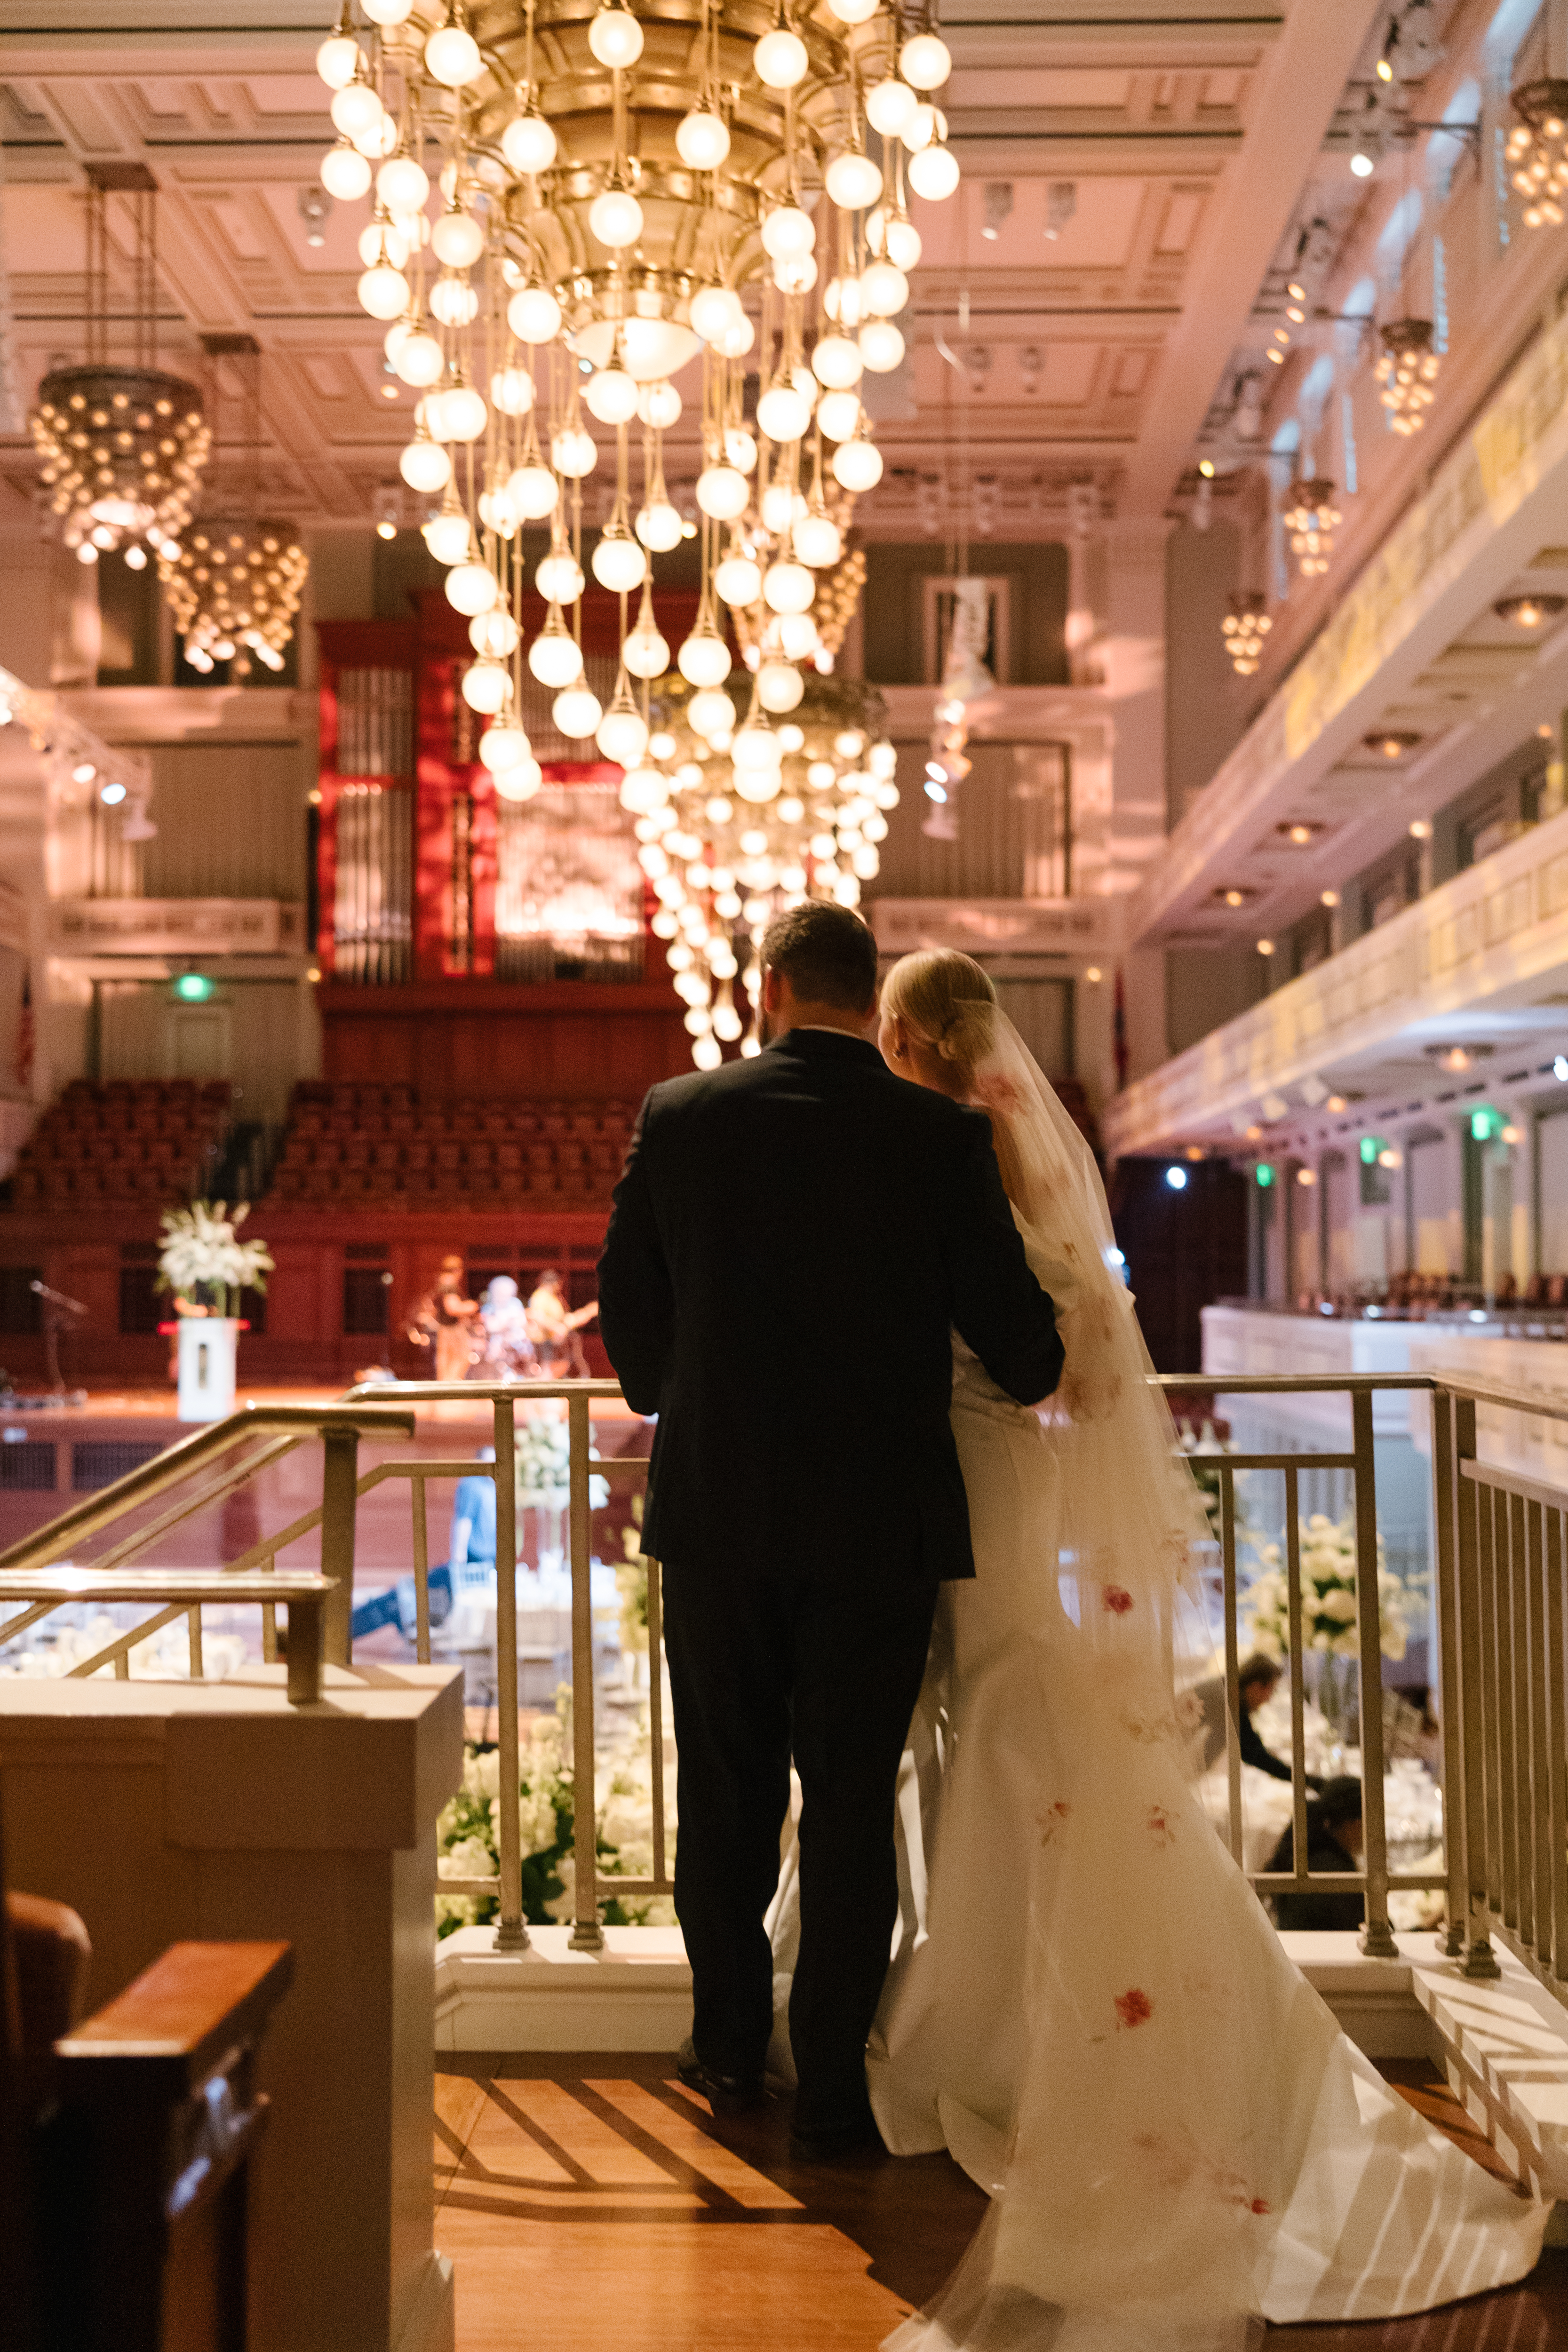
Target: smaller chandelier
[(1406, 373), (1244, 628), (234, 587), (1311, 519), (123, 448), (1537, 151)]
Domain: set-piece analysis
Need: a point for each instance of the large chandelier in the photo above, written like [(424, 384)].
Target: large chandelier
[(122, 446), (1311, 519), (233, 584), (1406, 371), (730, 837), (1537, 151), (607, 187)]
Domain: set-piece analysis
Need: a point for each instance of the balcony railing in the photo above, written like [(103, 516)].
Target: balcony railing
[(1499, 1634)]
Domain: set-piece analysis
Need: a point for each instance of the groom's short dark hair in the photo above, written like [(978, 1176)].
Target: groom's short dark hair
[(826, 953)]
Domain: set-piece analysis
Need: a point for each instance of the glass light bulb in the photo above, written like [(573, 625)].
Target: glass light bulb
[(559, 578), (424, 465), (452, 57), (659, 528), (338, 61), (554, 656), (456, 239), (781, 503), (884, 290), (704, 658), (535, 315), (797, 639), (855, 12), (618, 563), (528, 142), (534, 490), (781, 60), (925, 61), (710, 713), (738, 339), (857, 466), (836, 362), (788, 587), (520, 784), (615, 217), (464, 412), (403, 185), (902, 244), (921, 129), (471, 588), (714, 310), (577, 711), (486, 687), (738, 580), (447, 537), (574, 453), (384, 291), (796, 277), (739, 450), (388, 12), (512, 390), (645, 653), (702, 139), (376, 138), (817, 540), (779, 686), (615, 38), (853, 182), (782, 414), (345, 173), (881, 346), (933, 174), (659, 405), (454, 301), (610, 396), (890, 107), (622, 737), (787, 232), (495, 635), (838, 413), (420, 359), (721, 492)]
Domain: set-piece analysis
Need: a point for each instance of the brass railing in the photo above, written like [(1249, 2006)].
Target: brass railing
[(1497, 1637)]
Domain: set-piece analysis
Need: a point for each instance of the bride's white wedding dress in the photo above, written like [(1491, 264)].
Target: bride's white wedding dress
[(1087, 2005)]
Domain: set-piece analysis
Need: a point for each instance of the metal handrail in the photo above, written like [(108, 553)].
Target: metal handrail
[(302, 1595)]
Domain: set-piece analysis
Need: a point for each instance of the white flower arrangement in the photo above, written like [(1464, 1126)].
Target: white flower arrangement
[(1328, 1594), (202, 1251)]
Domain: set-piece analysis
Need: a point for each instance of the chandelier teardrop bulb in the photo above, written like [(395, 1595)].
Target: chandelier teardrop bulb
[(884, 290), (457, 239), (817, 540), (857, 466), (933, 174), (615, 38), (528, 142), (617, 563), (645, 653), (346, 172), (425, 467), (853, 182), (788, 587), (788, 232), (615, 217), (487, 687), (574, 453), (881, 346), (702, 139), (784, 413), (855, 12), (554, 657), (798, 637), (839, 414), (520, 784), (472, 588), (780, 686), (495, 635), (659, 527), (454, 301), (741, 449), (558, 577), (419, 361), (452, 55), (622, 734), (384, 291), (535, 315), (535, 492), (388, 12), (577, 711), (610, 396), (902, 243), (448, 536), (721, 492), (659, 405), (738, 579), (714, 311), (836, 362), (704, 658), (463, 413), (512, 390), (781, 60), (338, 61), (403, 185), (738, 340), (925, 61), (711, 713), (890, 107)]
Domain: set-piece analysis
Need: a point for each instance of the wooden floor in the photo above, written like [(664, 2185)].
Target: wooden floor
[(591, 2202)]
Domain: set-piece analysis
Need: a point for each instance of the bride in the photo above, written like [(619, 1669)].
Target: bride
[(1096, 2018)]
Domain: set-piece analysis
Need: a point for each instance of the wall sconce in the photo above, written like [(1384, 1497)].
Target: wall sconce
[(1528, 612), (1391, 743), (998, 208)]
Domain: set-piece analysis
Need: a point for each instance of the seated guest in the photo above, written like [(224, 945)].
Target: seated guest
[(1259, 1678), (1334, 1841)]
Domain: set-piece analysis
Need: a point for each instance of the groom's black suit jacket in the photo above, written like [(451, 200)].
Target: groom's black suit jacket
[(793, 1239)]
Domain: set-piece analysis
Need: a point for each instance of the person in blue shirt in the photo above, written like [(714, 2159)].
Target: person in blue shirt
[(473, 1536)]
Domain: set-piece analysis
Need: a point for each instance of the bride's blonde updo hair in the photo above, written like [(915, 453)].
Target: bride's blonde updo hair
[(945, 1001)]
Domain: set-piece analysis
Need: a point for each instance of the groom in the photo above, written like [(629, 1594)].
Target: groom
[(794, 1238)]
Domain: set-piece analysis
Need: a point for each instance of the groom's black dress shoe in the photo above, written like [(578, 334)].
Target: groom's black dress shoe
[(727, 2095), (825, 2143)]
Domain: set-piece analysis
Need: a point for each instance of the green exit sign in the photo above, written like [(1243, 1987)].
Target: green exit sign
[(194, 988)]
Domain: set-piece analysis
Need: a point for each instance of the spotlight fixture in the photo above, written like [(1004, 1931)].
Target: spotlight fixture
[(1205, 467), (1306, 1175), (1311, 519), (1456, 1059), (1335, 1103), (1537, 151), (1062, 203), (1244, 628), (111, 793), (1329, 898), (998, 208), (1233, 895), (1366, 142), (1406, 371), (1391, 743), (1300, 834), (314, 205), (1420, 830), (1265, 947), (83, 773), (1528, 612)]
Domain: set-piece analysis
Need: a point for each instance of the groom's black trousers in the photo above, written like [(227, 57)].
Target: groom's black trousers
[(826, 1664)]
